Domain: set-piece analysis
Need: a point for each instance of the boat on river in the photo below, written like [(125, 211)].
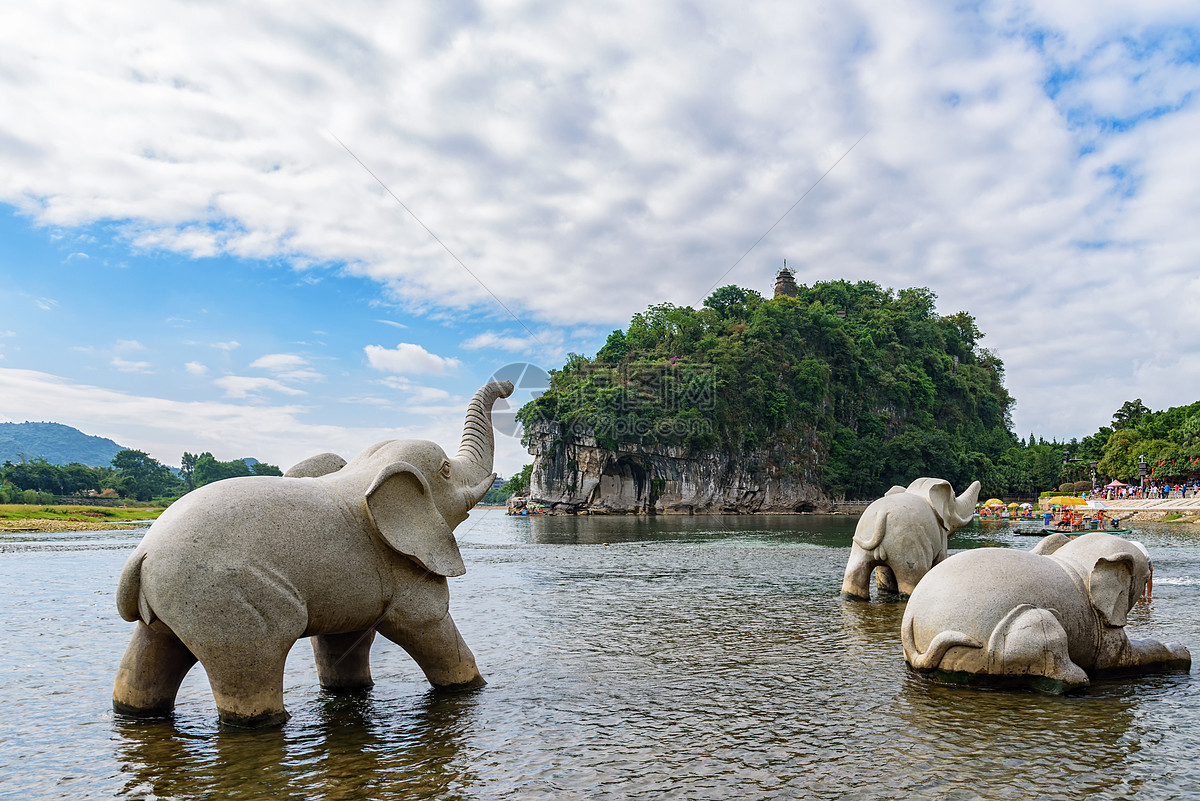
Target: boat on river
[(1039, 529)]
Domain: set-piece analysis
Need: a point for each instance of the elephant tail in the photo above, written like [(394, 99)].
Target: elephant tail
[(943, 642), (872, 537), (130, 603)]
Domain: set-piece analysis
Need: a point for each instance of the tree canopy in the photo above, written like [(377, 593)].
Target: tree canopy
[(866, 386)]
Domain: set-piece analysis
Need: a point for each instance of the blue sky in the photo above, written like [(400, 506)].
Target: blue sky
[(191, 259)]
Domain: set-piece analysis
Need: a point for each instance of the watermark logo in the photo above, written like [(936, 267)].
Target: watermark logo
[(628, 402), (529, 382)]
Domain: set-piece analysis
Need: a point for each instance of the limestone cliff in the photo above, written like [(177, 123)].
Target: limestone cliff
[(572, 473)]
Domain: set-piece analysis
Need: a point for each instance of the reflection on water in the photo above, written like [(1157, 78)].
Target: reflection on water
[(644, 658), (350, 748)]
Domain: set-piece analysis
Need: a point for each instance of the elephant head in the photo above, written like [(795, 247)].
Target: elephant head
[(415, 495), (1114, 572), (951, 513)]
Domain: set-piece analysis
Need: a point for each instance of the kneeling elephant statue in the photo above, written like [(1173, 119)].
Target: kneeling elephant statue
[(233, 573), (1044, 619), (905, 533)]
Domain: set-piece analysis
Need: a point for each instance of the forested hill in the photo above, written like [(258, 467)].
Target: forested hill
[(56, 443), (867, 387)]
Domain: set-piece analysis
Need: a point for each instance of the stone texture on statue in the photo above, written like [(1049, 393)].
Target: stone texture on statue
[(903, 534), (572, 473), (235, 572), (1047, 619), (316, 466)]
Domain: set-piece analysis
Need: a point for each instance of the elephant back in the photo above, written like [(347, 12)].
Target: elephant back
[(895, 514), (974, 591)]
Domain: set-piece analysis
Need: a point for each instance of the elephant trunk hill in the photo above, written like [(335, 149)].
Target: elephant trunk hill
[(574, 473), (748, 404)]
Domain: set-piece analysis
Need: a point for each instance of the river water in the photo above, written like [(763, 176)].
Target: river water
[(627, 658)]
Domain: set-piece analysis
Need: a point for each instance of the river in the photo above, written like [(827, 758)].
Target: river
[(627, 658)]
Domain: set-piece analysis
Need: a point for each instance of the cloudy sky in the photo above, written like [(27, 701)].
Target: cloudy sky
[(275, 229)]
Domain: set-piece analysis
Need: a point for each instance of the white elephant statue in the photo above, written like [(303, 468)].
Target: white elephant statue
[(233, 573), (904, 534), (1044, 619)]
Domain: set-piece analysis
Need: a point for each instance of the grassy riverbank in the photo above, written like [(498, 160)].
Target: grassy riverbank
[(23, 517)]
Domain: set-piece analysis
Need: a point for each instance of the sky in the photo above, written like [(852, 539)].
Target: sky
[(274, 230)]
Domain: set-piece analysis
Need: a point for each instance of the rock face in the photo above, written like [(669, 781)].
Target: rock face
[(572, 473)]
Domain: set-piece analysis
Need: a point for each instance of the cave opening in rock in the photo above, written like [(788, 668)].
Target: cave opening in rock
[(626, 483)]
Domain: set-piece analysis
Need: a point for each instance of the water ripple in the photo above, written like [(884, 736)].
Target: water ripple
[(674, 663)]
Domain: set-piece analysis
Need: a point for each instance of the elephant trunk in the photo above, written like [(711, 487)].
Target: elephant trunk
[(964, 506), (478, 442)]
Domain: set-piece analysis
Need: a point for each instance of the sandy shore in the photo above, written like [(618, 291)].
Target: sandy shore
[(74, 524)]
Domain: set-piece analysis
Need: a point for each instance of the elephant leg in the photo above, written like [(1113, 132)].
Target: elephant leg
[(1031, 641), (437, 647), (1146, 654), (906, 578), (247, 681), (151, 671), (885, 579), (856, 582), (344, 660)]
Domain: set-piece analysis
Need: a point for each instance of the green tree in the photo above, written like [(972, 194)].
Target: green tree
[(208, 469), (1130, 413), (850, 383), (519, 484), (141, 476), (187, 470)]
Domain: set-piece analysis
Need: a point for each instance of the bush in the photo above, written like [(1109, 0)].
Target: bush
[(1083, 486), (1067, 488)]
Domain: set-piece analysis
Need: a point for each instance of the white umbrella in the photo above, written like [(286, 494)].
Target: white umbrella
[(1027, 506)]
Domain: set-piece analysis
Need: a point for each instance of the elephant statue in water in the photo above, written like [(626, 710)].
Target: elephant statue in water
[(903, 534), (1043, 619), (233, 573)]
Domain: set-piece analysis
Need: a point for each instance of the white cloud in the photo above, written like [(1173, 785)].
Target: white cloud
[(408, 358), (130, 367), (126, 345), (392, 323), (586, 160), (227, 346), (279, 361), (196, 368), (287, 367), (414, 393), (165, 428), (239, 386), (490, 339)]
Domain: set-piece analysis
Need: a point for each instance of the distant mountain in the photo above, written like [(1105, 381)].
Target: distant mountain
[(56, 443)]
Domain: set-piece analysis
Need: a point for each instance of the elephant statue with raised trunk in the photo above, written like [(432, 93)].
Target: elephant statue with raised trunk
[(1045, 619), (233, 573), (903, 534)]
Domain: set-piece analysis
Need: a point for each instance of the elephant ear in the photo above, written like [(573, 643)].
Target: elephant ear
[(1110, 587), (940, 496), (401, 504)]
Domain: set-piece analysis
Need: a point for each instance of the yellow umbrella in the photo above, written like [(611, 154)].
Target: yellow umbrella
[(993, 502), (1067, 500)]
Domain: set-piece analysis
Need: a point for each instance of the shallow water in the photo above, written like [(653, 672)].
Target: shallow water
[(642, 658)]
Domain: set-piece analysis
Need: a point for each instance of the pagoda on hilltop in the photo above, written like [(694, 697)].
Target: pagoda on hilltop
[(785, 283)]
